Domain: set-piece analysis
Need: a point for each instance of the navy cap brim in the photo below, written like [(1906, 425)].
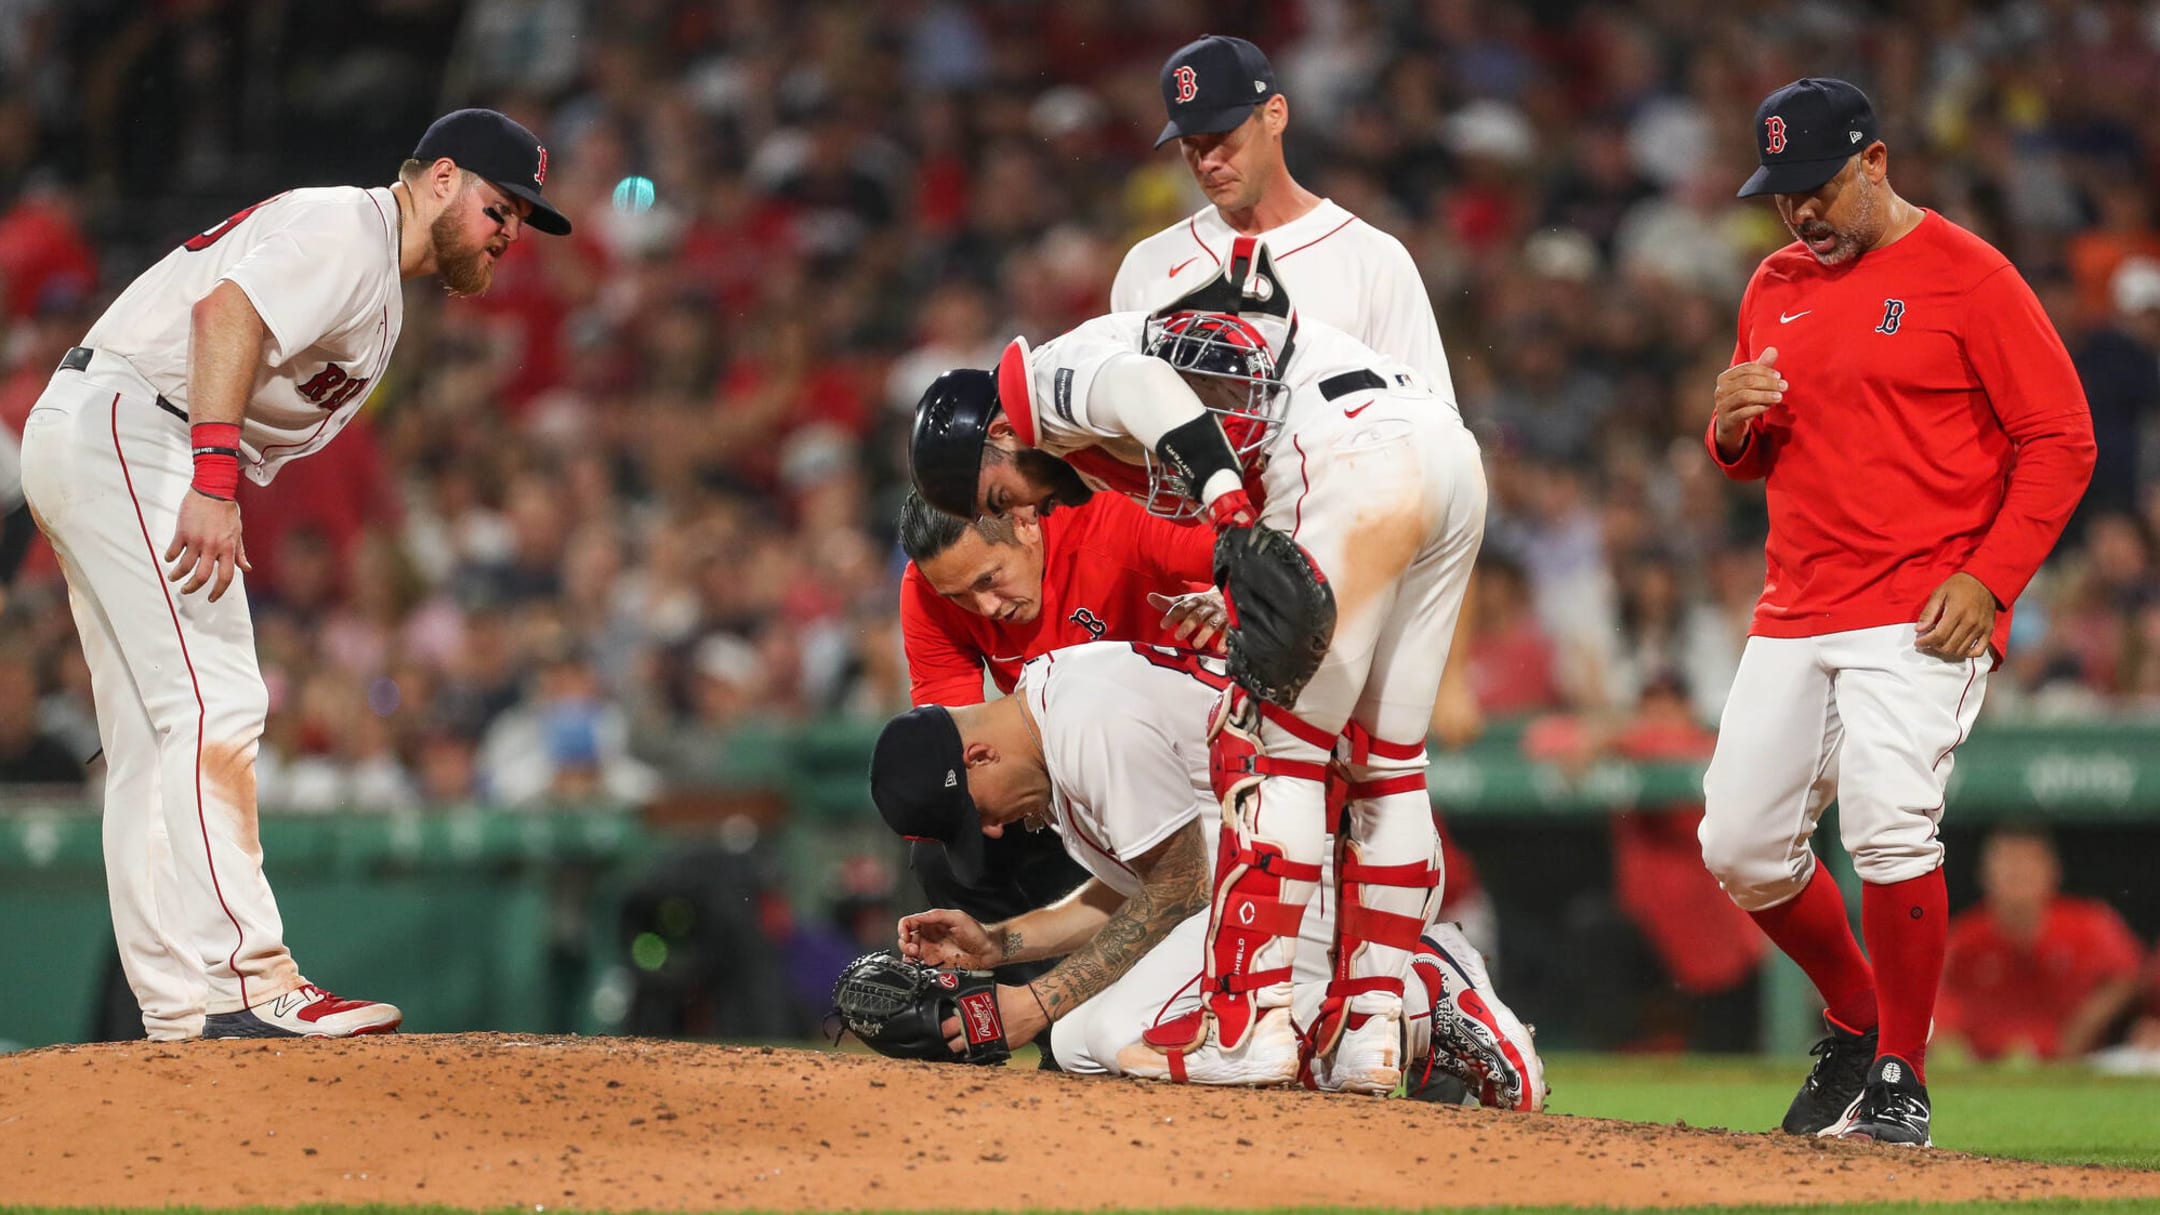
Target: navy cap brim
[(1792, 177), (544, 218), (1208, 122)]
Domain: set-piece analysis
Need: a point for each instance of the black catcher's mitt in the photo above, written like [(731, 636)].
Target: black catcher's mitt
[(897, 1006), (1282, 612)]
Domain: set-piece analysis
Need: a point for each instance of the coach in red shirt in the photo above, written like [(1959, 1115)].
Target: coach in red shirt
[(991, 594), (1922, 438), (2031, 969)]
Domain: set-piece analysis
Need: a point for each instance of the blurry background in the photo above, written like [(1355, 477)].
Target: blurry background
[(576, 641)]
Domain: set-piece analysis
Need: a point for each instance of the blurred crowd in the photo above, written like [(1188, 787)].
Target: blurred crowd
[(594, 528)]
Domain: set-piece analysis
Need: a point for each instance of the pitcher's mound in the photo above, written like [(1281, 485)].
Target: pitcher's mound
[(493, 1120)]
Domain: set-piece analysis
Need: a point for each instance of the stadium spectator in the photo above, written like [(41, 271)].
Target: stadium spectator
[(2031, 970)]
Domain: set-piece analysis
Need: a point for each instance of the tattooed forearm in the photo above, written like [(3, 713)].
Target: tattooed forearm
[(1178, 883), (1011, 942)]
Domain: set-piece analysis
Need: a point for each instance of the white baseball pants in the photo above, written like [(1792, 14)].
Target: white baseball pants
[(1860, 716), (180, 704)]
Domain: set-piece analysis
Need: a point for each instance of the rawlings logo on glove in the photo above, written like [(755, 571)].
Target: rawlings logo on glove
[(898, 1007)]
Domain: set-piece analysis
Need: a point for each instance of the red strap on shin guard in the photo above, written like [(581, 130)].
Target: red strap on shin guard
[(1365, 790), (1364, 745)]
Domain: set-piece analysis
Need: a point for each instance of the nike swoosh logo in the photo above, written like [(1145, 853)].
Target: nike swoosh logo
[(1351, 413), (1181, 265), (1783, 319)]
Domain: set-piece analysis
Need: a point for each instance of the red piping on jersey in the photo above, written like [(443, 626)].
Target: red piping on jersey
[(1298, 519), (1081, 834), (1317, 239), (232, 960), (1012, 386), (1192, 225)]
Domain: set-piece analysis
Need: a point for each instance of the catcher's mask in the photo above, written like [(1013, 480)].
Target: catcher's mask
[(1231, 336), (952, 422)]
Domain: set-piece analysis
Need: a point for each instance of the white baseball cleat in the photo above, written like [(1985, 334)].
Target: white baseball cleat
[(1267, 1055), (1474, 1034), (1368, 1057), (307, 1011)]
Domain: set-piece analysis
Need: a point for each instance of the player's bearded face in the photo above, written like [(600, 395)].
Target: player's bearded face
[(1021, 478), (464, 259)]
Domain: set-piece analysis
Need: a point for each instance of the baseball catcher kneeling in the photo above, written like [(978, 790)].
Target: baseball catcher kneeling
[(1110, 744)]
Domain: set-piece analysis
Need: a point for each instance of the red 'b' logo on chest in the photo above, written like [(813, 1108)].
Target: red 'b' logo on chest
[(1773, 134), (1188, 84)]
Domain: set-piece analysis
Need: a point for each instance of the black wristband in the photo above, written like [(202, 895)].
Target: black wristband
[(234, 452), (1196, 451)]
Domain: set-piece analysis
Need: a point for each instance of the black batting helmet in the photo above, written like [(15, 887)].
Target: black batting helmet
[(952, 420)]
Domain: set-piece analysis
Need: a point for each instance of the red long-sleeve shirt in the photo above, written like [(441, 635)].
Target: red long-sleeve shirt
[(1100, 561), (1932, 423)]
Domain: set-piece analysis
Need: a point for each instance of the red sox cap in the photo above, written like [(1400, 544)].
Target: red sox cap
[(1211, 84), (1805, 132), (918, 778), (500, 150)]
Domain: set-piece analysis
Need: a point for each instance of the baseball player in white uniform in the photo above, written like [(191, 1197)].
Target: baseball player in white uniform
[(1106, 743), (1305, 431), (251, 344), (1228, 119)]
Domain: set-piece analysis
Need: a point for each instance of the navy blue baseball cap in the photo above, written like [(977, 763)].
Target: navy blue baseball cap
[(500, 149), (918, 778), (1211, 84), (1805, 132)]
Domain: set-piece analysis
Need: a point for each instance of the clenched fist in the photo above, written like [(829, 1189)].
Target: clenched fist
[(1745, 391)]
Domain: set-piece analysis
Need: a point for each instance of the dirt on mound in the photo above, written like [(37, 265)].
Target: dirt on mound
[(494, 1120)]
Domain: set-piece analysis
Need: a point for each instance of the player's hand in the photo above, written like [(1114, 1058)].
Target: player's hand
[(949, 938), (206, 546), (1958, 620), (1745, 392), (1196, 620), (1017, 1007)]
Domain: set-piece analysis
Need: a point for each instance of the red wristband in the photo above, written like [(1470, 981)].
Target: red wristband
[(217, 459), (1232, 509)]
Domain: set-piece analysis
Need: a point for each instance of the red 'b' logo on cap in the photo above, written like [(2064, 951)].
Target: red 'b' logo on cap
[(1773, 135), (1188, 84), (540, 174)]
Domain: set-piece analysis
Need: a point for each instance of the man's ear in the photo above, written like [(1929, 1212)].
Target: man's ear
[(1001, 429), (1275, 114), (976, 754)]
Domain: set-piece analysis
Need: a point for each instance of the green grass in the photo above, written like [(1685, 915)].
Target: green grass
[(2062, 1115)]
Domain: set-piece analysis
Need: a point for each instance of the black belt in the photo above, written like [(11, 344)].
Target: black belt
[(1351, 381), (78, 359)]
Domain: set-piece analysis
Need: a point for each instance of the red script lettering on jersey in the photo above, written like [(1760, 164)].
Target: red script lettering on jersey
[(331, 387)]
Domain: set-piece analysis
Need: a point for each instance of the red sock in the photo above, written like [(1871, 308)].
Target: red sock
[(1908, 929), (1813, 931)]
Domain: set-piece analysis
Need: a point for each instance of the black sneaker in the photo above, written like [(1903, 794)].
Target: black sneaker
[(1832, 1089), (1894, 1106)]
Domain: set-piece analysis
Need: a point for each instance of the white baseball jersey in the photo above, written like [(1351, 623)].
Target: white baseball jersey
[(1065, 415), (321, 267), (1338, 269), (1125, 741)]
